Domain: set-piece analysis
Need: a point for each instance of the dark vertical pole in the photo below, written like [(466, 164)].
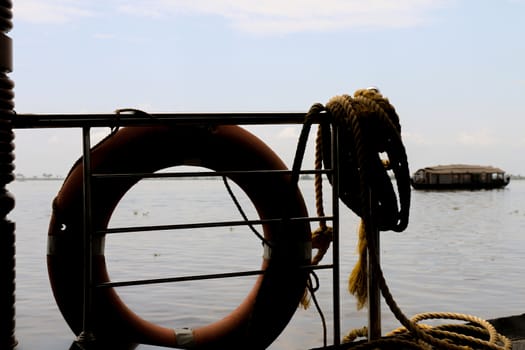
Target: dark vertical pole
[(374, 292), (87, 336), (335, 242), (7, 202)]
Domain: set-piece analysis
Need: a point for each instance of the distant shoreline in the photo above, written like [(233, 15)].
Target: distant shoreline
[(39, 179), (304, 177)]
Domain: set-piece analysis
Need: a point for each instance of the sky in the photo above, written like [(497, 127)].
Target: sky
[(453, 69)]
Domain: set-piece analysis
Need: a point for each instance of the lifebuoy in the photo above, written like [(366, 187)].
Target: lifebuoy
[(267, 309)]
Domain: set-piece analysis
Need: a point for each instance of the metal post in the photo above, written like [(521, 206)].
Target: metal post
[(7, 202), (86, 336), (335, 239), (374, 292)]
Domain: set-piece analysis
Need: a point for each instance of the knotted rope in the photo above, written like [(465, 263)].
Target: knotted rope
[(367, 126)]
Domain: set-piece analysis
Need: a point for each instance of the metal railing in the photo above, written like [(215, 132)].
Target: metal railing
[(88, 121)]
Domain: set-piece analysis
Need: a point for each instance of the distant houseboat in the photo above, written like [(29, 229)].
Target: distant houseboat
[(459, 176)]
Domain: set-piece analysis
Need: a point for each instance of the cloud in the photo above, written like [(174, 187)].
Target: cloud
[(482, 137), (252, 16), (99, 134), (51, 11), (289, 132), (277, 16), (415, 138), (104, 36), (471, 138), (54, 140)]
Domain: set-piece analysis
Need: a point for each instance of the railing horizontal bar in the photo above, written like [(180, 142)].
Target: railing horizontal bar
[(203, 173), (179, 279), (205, 225), (198, 277), (25, 121)]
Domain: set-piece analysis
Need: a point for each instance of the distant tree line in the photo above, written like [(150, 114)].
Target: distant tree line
[(44, 176), (49, 176)]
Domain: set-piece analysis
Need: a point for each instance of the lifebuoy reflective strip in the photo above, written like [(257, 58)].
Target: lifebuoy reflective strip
[(267, 309)]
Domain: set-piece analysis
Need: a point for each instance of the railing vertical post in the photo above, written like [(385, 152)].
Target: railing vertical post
[(86, 336), (374, 293), (335, 239), (7, 202)]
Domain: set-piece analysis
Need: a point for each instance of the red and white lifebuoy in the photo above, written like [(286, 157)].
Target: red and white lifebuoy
[(267, 309)]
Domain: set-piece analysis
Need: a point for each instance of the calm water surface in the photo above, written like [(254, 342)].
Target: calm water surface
[(462, 252)]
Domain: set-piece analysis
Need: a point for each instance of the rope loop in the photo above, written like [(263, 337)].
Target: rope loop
[(368, 129), (354, 334), (321, 239)]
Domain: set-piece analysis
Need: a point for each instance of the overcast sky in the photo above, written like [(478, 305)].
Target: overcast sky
[(454, 69)]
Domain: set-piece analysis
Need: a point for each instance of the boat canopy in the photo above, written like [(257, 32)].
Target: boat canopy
[(462, 168)]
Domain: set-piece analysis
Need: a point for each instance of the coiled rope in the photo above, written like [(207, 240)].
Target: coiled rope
[(367, 127)]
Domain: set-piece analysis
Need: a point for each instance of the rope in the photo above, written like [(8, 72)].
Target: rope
[(357, 282), (367, 126), (355, 117), (322, 237), (243, 214)]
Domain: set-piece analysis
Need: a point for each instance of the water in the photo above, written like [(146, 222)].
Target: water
[(462, 252)]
